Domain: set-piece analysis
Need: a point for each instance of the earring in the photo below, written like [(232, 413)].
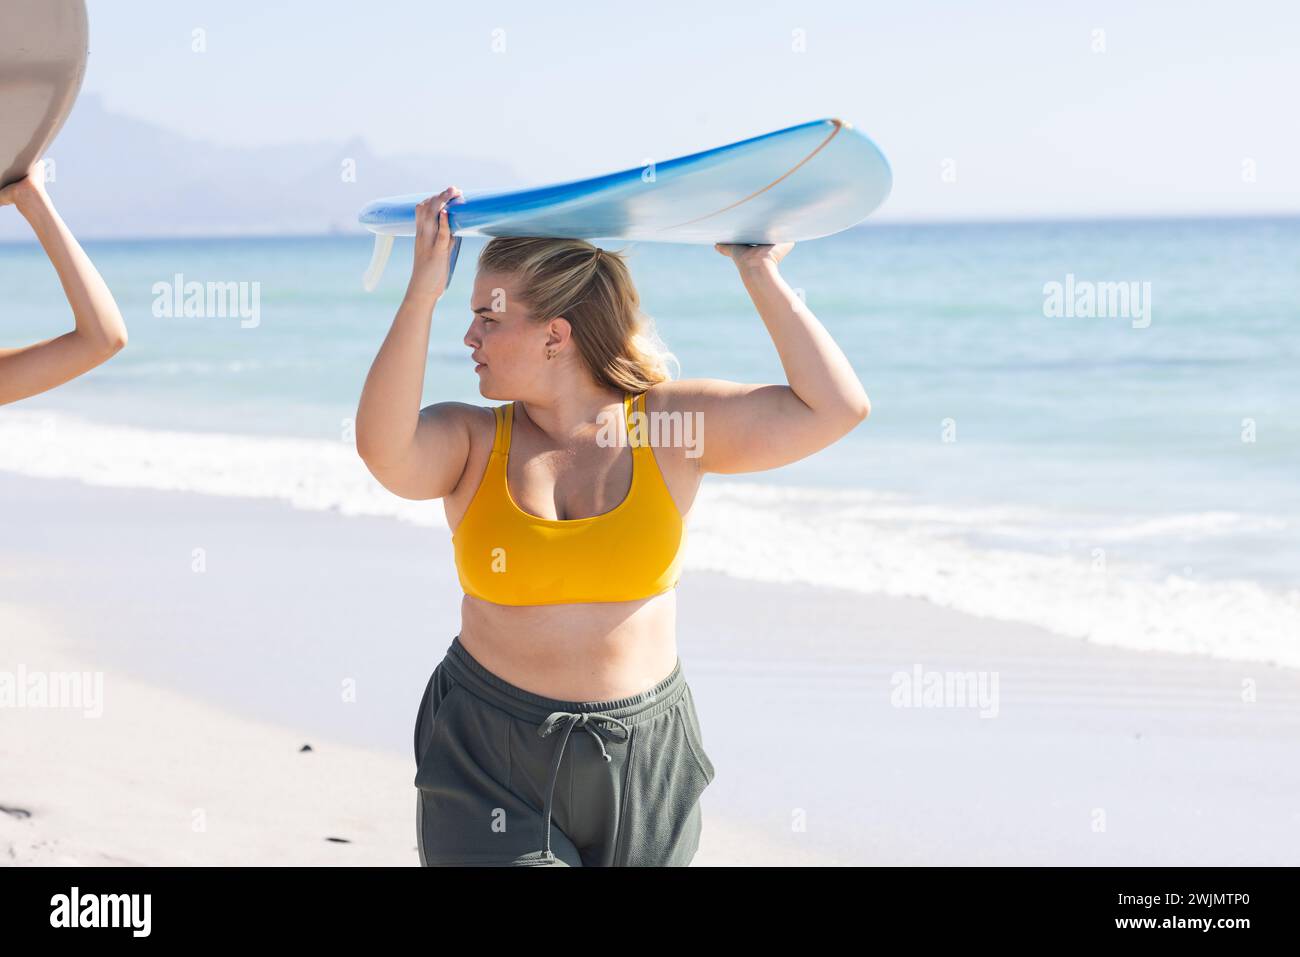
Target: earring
[(550, 355)]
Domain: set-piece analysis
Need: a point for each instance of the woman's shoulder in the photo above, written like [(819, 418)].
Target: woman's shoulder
[(478, 420), (691, 395), (464, 411)]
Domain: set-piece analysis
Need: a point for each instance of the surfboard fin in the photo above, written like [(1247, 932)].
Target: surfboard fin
[(378, 260), (384, 249), (451, 265)]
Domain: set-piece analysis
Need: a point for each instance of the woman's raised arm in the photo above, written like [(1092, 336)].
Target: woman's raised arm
[(752, 428), (415, 454), (99, 332)]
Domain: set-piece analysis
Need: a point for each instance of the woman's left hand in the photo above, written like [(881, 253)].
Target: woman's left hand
[(744, 255)]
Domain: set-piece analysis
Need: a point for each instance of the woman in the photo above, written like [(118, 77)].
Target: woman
[(568, 543), (99, 333)]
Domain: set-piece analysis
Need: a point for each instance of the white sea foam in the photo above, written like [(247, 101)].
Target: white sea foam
[(862, 541), (307, 473), (868, 543)]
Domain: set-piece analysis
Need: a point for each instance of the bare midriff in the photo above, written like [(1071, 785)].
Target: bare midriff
[(590, 652)]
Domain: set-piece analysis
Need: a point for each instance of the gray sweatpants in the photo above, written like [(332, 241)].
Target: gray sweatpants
[(507, 777)]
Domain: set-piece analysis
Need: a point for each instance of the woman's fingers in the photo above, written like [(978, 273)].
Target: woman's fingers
[(433, 240), (424, 222), (443, 239), (748, 253), (429, 217)]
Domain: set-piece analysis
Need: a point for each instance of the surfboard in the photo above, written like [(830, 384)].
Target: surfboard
[(791, 185), (42, 62)]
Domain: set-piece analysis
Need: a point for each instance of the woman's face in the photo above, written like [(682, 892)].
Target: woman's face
[(507, 346)]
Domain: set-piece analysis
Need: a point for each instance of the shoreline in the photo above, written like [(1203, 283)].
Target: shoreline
[(1084, 576)]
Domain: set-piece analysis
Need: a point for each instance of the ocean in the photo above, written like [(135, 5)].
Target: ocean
[(1089, 426)]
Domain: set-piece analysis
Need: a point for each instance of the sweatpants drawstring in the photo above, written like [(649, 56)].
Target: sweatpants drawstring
[(594, 723)]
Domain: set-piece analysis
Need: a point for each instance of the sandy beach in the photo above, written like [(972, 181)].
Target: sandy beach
[(231, 634), (155, 778)]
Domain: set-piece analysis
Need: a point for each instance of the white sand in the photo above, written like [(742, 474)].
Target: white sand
[(214, 681), (161, 779)]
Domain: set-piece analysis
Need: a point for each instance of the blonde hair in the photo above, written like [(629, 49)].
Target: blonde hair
[(593, 289)]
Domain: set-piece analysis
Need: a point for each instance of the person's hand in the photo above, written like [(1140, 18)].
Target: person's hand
[(746, 256), (30, 188), (433, 241)]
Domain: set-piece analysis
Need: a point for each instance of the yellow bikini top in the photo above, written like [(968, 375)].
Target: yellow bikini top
[(510, 557)]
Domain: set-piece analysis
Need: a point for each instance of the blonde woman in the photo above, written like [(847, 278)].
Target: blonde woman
[(99, 332), (559, 728)]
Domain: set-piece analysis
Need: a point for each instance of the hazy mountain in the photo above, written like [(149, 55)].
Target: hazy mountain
[(118, 176)]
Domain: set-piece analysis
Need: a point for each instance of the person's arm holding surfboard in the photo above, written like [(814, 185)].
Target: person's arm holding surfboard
[(100, 331), (414, 453), (752, 428)]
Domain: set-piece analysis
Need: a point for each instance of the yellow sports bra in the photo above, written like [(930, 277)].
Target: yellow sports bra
[(510, 557)]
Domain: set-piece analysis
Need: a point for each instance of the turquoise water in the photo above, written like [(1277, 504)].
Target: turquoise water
[(1076, 424)]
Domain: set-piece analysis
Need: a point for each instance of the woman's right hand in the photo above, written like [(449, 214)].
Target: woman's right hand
[(30, 189), (433, 241)]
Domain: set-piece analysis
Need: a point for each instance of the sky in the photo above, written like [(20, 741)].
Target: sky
[(998, 110)]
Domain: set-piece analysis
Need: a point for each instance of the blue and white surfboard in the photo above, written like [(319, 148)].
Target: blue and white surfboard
[(794, 184)]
